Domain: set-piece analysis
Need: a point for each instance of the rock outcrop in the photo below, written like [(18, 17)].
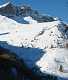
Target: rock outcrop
[(13, 11)]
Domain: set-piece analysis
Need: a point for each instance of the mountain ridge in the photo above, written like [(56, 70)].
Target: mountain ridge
[(10, 10)]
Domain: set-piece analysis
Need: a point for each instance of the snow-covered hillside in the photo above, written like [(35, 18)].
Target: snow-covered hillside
[(39, 44)]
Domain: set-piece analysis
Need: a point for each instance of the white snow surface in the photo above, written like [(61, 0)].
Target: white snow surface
[(37, 44), (30, 20)]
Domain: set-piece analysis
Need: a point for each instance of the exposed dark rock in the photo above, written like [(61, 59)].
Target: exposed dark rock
[(8, 10), (9, 61), (11, 10), (13, 68)]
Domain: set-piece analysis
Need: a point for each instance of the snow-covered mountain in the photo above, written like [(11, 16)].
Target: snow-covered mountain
[(18, 13), (40, 44)]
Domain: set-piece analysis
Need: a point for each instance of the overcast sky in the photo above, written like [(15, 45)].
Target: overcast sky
[(57, 8)]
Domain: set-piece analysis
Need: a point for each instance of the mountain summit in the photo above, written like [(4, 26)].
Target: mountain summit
[(18, 12)]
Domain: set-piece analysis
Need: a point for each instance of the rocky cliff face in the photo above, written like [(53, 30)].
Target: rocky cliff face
[(8, 9), (11, 10)]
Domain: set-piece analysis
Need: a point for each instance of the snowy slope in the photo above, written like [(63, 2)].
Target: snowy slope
[(40, 44)]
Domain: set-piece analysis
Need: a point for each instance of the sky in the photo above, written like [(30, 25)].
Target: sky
[(58, 8)]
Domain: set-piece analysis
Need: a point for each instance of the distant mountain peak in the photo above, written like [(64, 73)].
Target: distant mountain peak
[(14, 11), (7, 9), (4, 5)]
